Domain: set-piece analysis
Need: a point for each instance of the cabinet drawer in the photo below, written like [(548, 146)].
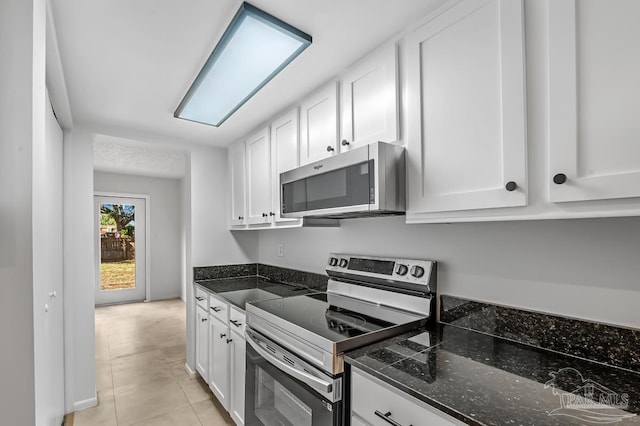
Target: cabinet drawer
[(369, 395), (237, 320), (219, 308), (202, 298)]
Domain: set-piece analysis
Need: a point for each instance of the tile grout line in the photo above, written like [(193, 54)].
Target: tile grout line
[(113, 386)]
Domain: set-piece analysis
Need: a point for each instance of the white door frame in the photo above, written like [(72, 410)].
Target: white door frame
[(147, 256)]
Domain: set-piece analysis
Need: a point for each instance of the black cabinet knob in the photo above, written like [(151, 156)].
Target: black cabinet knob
[(560, 178), (272, 214), (330, 148), (223, 335), (229, 341), (344, 142), (511, 186), (265, 215), (240, 217)]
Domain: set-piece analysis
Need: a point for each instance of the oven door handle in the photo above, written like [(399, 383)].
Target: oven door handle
[(303, 376)]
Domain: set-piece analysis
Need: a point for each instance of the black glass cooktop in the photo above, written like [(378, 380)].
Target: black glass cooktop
[(335, 317)]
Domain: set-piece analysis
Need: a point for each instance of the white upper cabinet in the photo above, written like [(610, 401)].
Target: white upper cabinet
[(237, 175), (466, 109), (370, 100), (284, 156), (319, 125), (259, 209), (594, 87)]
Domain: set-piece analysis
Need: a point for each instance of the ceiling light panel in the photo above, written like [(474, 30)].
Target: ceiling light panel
[(255, 47)]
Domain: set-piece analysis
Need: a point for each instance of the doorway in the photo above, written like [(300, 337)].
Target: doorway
[(121, 249)]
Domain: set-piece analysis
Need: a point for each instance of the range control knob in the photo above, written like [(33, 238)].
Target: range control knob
[(417, 271), (333, 261), (402, 269), (343, 263)]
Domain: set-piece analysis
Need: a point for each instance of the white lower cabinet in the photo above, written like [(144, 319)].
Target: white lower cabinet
[(220, 351), (219, 360), (375, 403), (237, 368), (357, 421), (202, 342)]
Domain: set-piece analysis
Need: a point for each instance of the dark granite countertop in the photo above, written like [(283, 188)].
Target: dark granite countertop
[(485, 380), (240, 290)]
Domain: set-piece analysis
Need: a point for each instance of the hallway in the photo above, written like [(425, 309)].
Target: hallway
[(140, 376)]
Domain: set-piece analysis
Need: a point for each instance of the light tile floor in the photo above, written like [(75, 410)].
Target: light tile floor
[(140, 376)]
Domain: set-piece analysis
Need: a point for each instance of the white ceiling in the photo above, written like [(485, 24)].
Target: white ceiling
[(119, 155), (128, 64)]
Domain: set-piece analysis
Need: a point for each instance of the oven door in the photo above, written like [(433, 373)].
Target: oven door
[(282, 389)]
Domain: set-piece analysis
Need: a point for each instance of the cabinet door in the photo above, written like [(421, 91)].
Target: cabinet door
[(202, 343), (372, 398), (593, 99), (467, 136), (319, 125), (357, 421), (284, 156), (259, 178), (237, 368), (370, 100), (219, 360), (237, 175)]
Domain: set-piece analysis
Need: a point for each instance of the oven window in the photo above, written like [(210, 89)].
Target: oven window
[(275, 405), (349, 186), (273, 398)]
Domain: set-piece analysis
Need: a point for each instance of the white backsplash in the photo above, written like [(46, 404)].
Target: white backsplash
[(584, 268)]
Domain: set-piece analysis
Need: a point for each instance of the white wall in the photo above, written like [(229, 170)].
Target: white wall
[(22, 41), (165, 213), (584, 268), (79, 271), (185, 233), (211, 242), (48, 289)]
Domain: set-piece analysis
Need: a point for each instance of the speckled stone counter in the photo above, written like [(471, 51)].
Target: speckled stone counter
[(486, 380), (267, 272), (608, 344), (238, 283)]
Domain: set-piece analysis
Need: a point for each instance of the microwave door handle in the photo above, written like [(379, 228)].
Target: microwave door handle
[(303, 376)]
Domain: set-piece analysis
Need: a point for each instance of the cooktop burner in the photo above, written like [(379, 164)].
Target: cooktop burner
[(327, 315)]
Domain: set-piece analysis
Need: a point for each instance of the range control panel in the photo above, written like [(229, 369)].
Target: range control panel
[(405, 270)]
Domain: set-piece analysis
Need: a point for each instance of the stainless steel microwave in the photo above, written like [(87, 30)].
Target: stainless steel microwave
[(363, 182)]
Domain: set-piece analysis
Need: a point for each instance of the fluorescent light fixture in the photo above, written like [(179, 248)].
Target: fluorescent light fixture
[(255, 47)]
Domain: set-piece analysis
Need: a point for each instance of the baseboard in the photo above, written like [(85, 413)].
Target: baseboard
[(190, 372), (87, 403)]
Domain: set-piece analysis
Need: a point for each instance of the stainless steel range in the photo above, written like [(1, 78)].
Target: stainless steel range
[(296, 344)]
